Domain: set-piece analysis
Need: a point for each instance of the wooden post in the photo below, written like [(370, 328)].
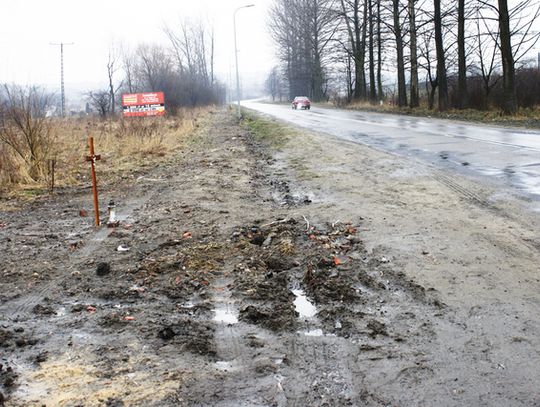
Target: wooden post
[(51, 168), (93, 158)]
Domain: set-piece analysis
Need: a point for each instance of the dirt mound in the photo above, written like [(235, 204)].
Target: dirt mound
[(276, 317)]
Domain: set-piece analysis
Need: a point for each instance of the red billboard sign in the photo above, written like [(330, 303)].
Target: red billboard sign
[(143, 104)]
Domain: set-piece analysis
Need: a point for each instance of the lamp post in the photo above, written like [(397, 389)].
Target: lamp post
[(236, 59)]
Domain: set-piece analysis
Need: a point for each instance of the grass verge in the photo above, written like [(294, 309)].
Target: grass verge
[(269, 131), (529, 118)]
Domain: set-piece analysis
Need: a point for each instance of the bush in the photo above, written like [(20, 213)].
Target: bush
[(25, 130)]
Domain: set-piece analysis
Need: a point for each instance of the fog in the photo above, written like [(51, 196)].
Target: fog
[(27, 29)]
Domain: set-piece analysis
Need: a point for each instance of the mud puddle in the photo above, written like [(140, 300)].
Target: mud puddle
[(226, 315), (303, 306), (225, 309)]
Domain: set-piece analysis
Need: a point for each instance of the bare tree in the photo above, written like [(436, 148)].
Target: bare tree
[(25, 127), (356, 30), (100, 100), (193, 49), (192, 62), (128, 61), (425, 49), (112, 67), (152, 67), (303, 31), (515, 37), (273, 84), (486, 52)]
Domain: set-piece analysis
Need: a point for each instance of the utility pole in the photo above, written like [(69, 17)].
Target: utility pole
[(236, 60), (62, 74)]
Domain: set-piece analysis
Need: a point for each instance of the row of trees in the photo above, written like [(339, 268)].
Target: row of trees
[(453, 53), (184, 70)]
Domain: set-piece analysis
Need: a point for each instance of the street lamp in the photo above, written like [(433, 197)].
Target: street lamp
[(236, 58)]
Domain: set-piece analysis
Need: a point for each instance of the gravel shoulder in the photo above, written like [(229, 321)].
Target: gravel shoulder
[(263, 272)]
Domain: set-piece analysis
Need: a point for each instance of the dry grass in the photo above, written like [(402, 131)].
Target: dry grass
[(126, 146)]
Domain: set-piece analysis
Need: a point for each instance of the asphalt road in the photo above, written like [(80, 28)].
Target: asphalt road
[(511, 156)]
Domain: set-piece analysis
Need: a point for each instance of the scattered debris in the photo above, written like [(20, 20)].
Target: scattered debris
[(8, 376), (166, 333), (377, 328), (41, 309), (103, 269)]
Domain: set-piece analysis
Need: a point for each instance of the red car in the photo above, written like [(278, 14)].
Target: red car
[(301, 102)]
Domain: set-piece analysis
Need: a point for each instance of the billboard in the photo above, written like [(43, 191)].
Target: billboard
[(143, 104)]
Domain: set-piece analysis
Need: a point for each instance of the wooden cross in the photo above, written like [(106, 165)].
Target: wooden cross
[(93, 158)]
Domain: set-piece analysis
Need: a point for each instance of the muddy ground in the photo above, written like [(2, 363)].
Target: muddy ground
[(309, 272)]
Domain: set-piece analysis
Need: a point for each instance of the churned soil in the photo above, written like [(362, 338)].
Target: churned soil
[(249, 273)]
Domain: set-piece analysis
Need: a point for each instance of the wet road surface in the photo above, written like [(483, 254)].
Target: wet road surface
[(507, 154)]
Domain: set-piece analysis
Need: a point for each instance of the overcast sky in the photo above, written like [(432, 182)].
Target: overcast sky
[(27, 27)]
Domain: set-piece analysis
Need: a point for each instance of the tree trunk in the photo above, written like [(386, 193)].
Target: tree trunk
[(349, 79), (463, 94), (402, 89), (431, 87), (509, 83), (318, 79), (359, 58), (431, 96), (441, 65), (363, 49), (110, 73), (212, 50), (415, 98), (380, 91), (111, 96), (372, 88)]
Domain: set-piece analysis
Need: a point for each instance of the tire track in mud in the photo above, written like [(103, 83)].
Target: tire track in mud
[(327, 374), (477, 200), (245, 367), (229, 348), (358, 300), (465, 192)]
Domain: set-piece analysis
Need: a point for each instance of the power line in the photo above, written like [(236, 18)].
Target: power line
[(62, 74)]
